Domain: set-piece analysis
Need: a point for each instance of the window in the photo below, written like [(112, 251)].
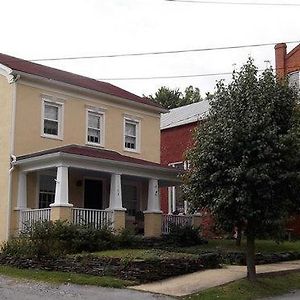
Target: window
[(95, 132), (46, 191), (294, 80), (52, 119), (131, 135)]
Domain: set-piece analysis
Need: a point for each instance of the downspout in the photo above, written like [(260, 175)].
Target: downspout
[(13, 79)]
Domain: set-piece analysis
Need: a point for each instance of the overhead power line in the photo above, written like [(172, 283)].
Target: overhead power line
[(179, 76), (236, 3), (160, 52), (166, 77)]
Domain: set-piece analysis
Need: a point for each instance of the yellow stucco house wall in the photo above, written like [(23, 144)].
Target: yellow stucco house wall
[(26, 91)]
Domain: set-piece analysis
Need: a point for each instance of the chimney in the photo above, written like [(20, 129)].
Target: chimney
[(280, 55)]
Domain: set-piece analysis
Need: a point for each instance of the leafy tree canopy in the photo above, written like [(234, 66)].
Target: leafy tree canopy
[(172, 98), (245, 163)]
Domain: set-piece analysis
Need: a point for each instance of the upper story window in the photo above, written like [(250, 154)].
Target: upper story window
[(131, 135), (95, 128), (294, 80), (52, 119)]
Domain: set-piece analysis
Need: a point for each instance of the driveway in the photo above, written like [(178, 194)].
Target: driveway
[(13, 289)]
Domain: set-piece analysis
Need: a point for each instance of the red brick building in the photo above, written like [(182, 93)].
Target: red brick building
[(177, 128), (288, 65)]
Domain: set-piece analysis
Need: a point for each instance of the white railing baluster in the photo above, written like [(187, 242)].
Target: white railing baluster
[(30, 216), (180, 220), (93, 217)]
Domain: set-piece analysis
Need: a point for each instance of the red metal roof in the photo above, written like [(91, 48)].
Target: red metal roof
[(26, 66), (95, 153)]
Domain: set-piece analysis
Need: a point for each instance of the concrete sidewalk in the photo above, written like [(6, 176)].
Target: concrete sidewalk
[(198, 281)]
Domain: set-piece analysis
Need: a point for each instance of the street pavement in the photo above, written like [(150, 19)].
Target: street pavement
[(295, 295), (13, 289)]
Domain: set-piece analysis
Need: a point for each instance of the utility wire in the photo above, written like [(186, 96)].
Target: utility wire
[(180, 76), (160, 52), (236, 3), (166, 77), (185, 76)]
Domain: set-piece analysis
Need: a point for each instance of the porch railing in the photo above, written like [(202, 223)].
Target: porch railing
[(181, 220), (29, 216), (93, 217)]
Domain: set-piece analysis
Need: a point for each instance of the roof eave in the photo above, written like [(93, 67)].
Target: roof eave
[(90, 91)]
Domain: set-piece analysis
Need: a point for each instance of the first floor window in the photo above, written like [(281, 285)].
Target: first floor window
[(46, 190), (52, 119), (131, 135), (95, 128)]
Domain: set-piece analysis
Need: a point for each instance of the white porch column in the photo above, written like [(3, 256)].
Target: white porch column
[(22, 191), (62, 187), (21, 199), (153, 214), (61, 209), (153, 197), (174, 208), (169, 200), (115, 202), (115, 197)]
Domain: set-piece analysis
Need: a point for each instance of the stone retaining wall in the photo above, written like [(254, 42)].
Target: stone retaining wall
[(131, 269)]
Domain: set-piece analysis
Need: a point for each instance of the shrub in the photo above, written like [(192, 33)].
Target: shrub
[(184, 235), (126, 239), (53, 239)]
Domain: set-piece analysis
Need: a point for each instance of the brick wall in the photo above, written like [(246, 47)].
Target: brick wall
[(286, 62), (174, 143)]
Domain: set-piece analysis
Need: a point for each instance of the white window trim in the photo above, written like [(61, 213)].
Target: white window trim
[(138, 134), (184, 162), (60, 106), (102, 127)]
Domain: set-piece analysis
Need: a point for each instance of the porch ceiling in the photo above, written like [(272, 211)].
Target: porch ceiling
[(100, 160)]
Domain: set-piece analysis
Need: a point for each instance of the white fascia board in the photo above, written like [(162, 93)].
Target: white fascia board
[(92, 92), (96, 164)]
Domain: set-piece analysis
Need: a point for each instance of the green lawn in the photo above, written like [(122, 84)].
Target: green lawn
[(147, 254), (244, 290), (265, 246), (63, 277)]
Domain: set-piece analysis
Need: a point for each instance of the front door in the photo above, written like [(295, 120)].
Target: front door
[(93, 190)]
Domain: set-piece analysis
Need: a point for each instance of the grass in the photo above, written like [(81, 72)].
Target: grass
[(146, 254), (64, 277), (264, 246), (245, 290)]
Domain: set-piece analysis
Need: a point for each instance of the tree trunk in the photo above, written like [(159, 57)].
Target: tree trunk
[(251, 269), (238, 240)]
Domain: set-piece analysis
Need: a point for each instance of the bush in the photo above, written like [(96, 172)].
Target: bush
[(53, 239), (126, 239), (184, 235)]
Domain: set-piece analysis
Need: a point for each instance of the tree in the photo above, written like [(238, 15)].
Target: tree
[(245, 162), (169, 98)]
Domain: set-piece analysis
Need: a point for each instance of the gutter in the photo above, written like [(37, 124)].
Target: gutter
[(12, 79)]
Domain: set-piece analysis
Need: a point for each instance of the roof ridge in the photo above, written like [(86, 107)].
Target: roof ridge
[(26, 66)]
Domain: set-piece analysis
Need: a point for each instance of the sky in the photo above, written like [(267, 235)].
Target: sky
[(35, 29)]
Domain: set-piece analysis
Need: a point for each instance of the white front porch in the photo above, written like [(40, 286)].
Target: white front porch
[(84, 190)]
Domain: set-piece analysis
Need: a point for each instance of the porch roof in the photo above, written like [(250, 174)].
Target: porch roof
[(97, 159)]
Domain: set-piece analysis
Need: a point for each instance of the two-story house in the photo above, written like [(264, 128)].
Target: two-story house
[(78, 149)]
